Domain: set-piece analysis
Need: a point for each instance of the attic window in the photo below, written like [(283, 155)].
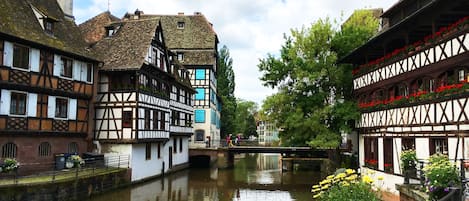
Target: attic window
[(111, 30), (48, 26), (181, 25), (180, 56)]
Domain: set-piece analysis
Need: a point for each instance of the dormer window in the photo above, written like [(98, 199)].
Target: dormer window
[(181, 25), (111, 30), (180, 56), (48, 26)]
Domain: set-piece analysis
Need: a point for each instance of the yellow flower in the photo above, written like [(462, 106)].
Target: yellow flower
[(380, 178), (367, 179), (351, 177), (326, 181), (344, 183), (330, 177), (316, 186), (315, 190), (349, 171), (325, 187), (317, 195), (340, 176)]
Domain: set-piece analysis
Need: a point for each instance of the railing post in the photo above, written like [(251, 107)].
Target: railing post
[(128, 161), (119, 162), (422, 176), (462, 193), (76, 173)]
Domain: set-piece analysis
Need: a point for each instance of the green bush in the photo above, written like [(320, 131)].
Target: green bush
[(408, 159), (441, 175), (356, 192)]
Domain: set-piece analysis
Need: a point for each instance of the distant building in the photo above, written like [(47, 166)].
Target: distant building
[(144, 101), (47, 83), (411, 83), (267, 133)]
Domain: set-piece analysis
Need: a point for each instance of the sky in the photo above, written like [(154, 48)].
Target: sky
[(250, 29)]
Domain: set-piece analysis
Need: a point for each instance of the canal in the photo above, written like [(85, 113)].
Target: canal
[(254, 177)]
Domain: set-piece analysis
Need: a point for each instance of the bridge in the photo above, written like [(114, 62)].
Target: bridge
[(224, 156)]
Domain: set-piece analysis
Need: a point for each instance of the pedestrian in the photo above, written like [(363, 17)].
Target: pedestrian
[(230, 141), (236, 141)]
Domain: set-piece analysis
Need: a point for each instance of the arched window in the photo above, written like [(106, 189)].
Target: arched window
[(72, 147), (9, 150), (44, 149)]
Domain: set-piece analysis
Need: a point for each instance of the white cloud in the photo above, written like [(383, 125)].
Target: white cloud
[(250, 29)]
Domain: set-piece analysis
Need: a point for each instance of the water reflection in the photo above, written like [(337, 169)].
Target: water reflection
[(254, 177)]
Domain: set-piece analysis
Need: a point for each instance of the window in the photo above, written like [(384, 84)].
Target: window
[(9, 150), (408, 143), (199, 135), (48, 26), (72, 147), (199, 94), (439, 145), (147, 119), (44, 149), (200, 74), (181, 25), (18, 103), (174, 117), (388, 155), (163, 120), (199, 116), (127, 119), (180, 144), (162, 62), (147, 151), (20, 57), (180, 56), (461, 75), (61, 105), (175, 150), (159, 150), (66, 68), (155, 120), (89, 72), (371, 152)]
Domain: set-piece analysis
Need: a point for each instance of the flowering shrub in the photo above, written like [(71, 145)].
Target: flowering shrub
[(9, 164), (458, 25), (408, 159), (371, 163), (441, 174), (77, 160), (346, 186)]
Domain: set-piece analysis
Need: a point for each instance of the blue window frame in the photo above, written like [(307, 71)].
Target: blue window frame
[(199, 116), (200, 74), (199, 94)]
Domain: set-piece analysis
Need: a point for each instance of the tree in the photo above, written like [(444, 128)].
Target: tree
[(245, 122), (225, 89), (313, 103)]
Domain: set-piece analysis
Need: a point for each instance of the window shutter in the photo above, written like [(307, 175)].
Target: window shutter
[(76, 69), (51, 107), (32, 104), (34, 59), (5, 102), (72, 109), (57, 64), (8, 54)]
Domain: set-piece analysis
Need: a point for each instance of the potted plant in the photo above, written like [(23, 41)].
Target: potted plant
[(9, 164), (77, 161), (408, 163), (441, 175)]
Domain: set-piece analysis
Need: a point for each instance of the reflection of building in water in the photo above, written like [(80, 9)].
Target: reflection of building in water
[(173, 187), (268, 162), (267, 132)]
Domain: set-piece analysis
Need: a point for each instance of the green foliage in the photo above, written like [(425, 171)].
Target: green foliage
[(356, 192), (312, 105), (225, 89), (408, 159), (9, 164), (244, 120), (441, 174)]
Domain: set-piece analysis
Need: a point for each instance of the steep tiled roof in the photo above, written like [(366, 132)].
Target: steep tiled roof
[(94, 29), (18, 20), (127, 48)]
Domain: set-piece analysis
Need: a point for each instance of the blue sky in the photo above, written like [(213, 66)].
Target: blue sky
[(250, 29)]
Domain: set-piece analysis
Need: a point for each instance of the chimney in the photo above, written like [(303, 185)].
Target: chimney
[(138, 14), (67, 8), (181, 13), (197, 13)]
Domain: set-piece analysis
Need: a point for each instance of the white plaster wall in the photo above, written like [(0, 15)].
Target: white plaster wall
[(397, 148), (422, 148), (466, 148), (180, 157), (142, 168), (453, 145), (387, 184), (361, 154), (115, 150), (380, 154)]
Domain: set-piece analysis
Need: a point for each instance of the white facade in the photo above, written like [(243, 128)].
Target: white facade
[(267, 133)]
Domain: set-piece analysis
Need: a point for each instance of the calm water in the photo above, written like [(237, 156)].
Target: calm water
[(254, 177)]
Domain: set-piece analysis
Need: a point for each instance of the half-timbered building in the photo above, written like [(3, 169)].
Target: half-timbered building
[(411, 84), (46, 82), (143, 106), (195, 43)]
